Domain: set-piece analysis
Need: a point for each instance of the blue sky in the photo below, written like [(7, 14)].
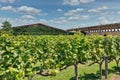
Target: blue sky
[(64, 14)]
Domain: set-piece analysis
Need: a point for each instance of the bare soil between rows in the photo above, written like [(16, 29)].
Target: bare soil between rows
[(115, 77)]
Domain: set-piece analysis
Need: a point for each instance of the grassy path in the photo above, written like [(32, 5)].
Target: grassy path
[(85, 73)]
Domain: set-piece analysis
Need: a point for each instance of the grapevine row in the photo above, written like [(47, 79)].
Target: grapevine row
[(24, 56)]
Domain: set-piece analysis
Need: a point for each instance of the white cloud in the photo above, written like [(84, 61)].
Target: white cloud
[(4, 1), (99, 9), (2, 19), (8, 8), (118, 12), (103, 20), (75, 15), (19, 21), (0, 25), (108, 20), (24, 10), (43, 21), (76, 2), (60, 20), (79, 17), (27, 17), (71, 2), (28, 10), (59, 10), (72, 12), (86, 1)]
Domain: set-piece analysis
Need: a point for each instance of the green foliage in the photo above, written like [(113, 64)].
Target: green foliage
[(6, 26), (19, 55), (104, 46), (10, 32), (37, 30)]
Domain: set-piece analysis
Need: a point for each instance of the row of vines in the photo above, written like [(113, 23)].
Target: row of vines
[(23, 57)]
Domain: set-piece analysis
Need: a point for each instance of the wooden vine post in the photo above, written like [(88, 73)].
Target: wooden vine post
[(106, 67), (106, 60)]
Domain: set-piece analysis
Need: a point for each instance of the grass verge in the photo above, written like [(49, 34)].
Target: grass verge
[(85, 73)]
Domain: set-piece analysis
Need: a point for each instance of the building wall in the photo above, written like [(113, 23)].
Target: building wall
[(108, 29)]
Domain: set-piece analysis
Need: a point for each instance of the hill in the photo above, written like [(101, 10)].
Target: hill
[(37, 29)]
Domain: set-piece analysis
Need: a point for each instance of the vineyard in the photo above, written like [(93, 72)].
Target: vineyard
[(24, 57)]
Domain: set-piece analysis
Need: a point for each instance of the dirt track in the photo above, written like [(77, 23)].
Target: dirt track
[(117, 77)]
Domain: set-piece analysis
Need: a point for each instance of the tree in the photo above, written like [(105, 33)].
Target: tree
[(6, 25)]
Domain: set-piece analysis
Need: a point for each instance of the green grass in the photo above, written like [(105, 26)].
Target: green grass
[(85, 73)]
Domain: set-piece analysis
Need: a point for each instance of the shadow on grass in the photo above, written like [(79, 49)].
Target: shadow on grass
[(96, 76), (116, 70), (87, 76)]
